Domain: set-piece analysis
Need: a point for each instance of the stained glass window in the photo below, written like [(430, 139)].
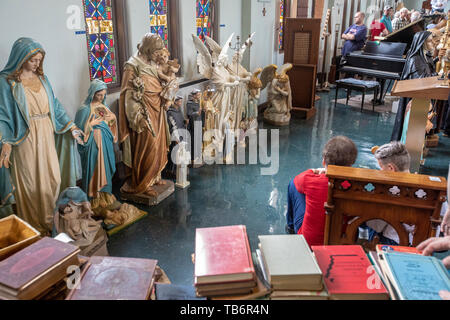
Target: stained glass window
[(281, 30), (158, 19), (204, 21), (100, 40)]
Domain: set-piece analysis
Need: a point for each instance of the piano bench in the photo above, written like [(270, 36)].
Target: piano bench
[(360, 86)]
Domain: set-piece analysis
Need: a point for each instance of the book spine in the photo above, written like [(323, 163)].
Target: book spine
[(249, 252)]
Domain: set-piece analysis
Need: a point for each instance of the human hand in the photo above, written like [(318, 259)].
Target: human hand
[(319, 171), (445, 295), (436, 244), (5, 155), (442, 52), (445, 225)]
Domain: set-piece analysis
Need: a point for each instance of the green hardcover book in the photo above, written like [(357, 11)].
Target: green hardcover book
[(415, 277), (290, 263)]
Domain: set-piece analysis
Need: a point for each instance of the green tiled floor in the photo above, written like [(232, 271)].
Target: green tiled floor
[(229, 195)]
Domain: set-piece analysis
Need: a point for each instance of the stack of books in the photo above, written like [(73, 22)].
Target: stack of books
[(223, 262), (348, 273), (33, 271), (412, 276), (290, 267), (110, 278)]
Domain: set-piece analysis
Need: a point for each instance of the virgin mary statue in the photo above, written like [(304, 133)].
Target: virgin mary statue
[(37, 156), (99, 125)]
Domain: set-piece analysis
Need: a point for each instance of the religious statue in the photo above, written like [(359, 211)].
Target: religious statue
[(177, 124), (222, 80), (143, 127), (240, 93), (37, 157), (279, 94), (193, 112), (210, 116), (97, 155), (250, 114), (229, 137), (419, 64), (167, 73), (74, 217), (99, 126)]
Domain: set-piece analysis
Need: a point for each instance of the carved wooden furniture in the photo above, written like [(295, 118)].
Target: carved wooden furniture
[(301, 48), (422, 91), (358, 195)]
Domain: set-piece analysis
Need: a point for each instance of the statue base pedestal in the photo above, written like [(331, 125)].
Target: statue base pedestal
[(278, 123), (183, 185), (304, 113), (162, 192)]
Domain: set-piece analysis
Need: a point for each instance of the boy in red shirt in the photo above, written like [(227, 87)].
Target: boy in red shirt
[(377, 28), (307, 193)]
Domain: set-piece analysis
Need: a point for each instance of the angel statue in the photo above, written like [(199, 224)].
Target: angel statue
[(279, 94), (250, 113), (223, 82), (240, 93)]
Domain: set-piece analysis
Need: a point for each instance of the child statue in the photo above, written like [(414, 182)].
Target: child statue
[(167, 73)]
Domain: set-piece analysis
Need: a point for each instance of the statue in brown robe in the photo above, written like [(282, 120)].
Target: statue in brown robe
[(143, 129)]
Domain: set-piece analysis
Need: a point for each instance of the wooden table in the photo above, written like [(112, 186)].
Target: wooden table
[(422, 91)]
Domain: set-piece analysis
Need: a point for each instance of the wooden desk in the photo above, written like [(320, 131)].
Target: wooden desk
[(422, 91)]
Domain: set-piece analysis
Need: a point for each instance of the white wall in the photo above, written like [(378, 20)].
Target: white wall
[(66, 62)]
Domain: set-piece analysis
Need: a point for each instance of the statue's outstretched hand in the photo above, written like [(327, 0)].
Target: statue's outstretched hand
[(77, 134), (5, 155)]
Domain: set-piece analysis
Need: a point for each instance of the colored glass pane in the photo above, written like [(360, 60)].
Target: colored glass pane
[(100, 40), (203, 18), (158, 19), (281, 30)]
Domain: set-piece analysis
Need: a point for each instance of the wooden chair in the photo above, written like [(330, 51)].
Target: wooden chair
[(358, 195)]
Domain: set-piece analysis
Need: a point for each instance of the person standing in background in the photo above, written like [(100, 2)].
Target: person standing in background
[(401, 21), (386, 18)]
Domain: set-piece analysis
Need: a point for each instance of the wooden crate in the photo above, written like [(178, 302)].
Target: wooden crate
[(15, 235)]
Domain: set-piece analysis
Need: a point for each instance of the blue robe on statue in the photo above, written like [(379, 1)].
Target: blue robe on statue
[(90, 152), (15, 121)]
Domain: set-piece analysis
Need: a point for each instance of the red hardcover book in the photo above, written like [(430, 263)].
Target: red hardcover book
[(36, 268), (348, 273), (223, 255), (110, 278)]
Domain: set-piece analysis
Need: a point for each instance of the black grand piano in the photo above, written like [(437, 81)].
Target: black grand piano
[(381, 60)]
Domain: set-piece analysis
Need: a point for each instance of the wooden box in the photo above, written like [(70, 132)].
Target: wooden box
[(15, 235)]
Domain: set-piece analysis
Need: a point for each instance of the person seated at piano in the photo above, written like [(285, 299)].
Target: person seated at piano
[(401, 21), (386, 18), (377, 29), (355, 35), (419, 64)]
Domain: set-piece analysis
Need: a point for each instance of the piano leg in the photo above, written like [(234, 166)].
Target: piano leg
[(380, 100)]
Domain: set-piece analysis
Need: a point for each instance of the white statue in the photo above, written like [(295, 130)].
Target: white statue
[(183, 160), (279, 94), (240, 93), (222, 80)]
